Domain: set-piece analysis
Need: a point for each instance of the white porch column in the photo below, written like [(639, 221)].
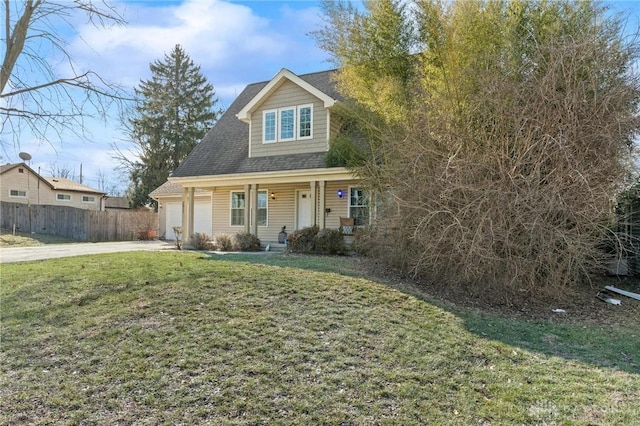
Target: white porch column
[(323, 202), (314, 202), (185, 215), (192, 210), (247, 207), (254, 209)]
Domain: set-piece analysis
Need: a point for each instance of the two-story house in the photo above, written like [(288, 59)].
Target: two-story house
[(19, 183), (262, 166)]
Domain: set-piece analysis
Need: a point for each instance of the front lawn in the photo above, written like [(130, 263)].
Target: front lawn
[(187, 338)]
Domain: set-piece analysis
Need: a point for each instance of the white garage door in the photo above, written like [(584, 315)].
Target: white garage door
[(201, 218)]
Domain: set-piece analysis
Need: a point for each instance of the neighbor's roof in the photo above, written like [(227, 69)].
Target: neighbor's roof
[(117, 203), (55, 183), (225, 148), (6, 167), (62, 184)]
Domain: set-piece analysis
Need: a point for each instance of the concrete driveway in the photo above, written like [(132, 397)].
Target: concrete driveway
[(51, 251)]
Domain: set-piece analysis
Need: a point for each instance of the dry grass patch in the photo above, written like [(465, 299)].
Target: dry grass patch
[(7, 239)]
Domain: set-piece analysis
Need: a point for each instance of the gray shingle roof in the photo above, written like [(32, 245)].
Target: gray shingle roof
[(117, 203), (225, 148), (172, 188)]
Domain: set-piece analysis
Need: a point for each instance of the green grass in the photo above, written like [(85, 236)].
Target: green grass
[(188, 338)]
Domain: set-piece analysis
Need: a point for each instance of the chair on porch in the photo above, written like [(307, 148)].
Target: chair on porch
[(347, 224)]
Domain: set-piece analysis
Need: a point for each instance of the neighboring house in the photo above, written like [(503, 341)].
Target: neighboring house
[(19, 183), (263, 164)]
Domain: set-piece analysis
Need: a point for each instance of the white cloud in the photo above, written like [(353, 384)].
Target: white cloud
[(234, 43), (221, 37)]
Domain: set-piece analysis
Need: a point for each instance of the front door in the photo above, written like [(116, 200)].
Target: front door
[(304, 205)]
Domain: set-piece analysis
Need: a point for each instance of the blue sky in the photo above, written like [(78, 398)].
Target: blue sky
[(234, 42)]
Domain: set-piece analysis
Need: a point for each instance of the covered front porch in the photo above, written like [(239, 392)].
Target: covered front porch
[(262, 204)]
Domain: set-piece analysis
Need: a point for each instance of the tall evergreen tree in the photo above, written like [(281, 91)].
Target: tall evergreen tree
[(174, 110)]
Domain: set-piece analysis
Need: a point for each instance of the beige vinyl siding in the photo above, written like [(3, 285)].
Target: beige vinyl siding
[(339, 206), (289, 95), (13, 180), (281, 211), (222, 211)]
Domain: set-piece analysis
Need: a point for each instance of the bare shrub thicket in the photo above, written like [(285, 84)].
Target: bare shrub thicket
[(145, 222), (513, 193), (225, 242), (498, 135), (247, 241), (202, 241)]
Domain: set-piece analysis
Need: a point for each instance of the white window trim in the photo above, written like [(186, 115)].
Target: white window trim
[(279, 123), (231, 209), (62, 199), (89, 202), (264, 126), (26, 194), (298, 123)]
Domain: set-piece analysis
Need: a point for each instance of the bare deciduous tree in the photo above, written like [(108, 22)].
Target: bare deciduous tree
[(106, 184), (500, 167), (60, 171), (35, 95)]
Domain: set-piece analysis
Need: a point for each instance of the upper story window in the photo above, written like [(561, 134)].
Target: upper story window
[(269, 120), (287, 124), (305, 114), (88, 199), (63, 197), (17, 193)]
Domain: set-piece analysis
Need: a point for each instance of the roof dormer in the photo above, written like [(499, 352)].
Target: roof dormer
[(283, 75)]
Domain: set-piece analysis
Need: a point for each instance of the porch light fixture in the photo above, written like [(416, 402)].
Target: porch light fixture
[(273, 195), (340, 193)]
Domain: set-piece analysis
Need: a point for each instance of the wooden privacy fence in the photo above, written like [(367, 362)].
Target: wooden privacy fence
[(76, 224)]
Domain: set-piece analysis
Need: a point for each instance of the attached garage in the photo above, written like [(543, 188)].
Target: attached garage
[(169, 197), (202, 217)]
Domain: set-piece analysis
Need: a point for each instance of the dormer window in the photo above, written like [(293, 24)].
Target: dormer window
[(270, 127), (305, 118), (287, 124)]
